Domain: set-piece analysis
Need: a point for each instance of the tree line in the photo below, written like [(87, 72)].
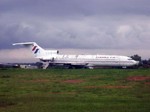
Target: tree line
[(142, 63)]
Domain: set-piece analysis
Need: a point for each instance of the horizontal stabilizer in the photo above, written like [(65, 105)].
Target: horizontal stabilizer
[(24, 43)]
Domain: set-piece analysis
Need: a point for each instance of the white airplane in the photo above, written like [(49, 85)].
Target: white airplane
[(87, 61)]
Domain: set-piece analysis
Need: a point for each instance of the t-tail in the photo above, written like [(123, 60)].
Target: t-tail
[(38, 52)]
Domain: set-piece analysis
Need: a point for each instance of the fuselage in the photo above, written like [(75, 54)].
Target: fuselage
[(92, 60)]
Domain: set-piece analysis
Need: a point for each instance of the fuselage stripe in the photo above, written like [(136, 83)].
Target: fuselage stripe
[(34, 48), (36, 51)]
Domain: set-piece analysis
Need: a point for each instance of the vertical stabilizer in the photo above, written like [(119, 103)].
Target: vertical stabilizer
[(36, 50)]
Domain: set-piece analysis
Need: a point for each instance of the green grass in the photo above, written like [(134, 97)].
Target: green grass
[(79, 90)]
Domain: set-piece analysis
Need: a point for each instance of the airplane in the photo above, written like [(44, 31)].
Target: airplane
[(86, 61)]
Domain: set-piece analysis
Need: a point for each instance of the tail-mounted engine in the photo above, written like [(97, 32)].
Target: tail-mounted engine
[(52, 52)]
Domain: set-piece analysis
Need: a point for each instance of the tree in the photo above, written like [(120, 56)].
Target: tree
[(136, 57)]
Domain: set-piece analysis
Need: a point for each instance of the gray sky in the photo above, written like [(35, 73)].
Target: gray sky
[(108, 25)]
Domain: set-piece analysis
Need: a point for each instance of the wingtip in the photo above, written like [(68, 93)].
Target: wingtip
[(23, 43), (13, 44)]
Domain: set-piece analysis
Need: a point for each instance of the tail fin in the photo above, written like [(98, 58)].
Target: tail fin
[(36, 50)]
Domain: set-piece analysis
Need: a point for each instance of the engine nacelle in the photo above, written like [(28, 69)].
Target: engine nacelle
[(48, 59), (51, 52), (49, 55)]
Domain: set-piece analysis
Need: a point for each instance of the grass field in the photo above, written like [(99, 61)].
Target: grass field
[(75, 90)]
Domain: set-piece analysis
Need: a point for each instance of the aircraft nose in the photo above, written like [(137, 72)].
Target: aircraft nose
[(136, 62)]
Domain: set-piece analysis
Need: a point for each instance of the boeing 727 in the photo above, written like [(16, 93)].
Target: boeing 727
[(88, 61)]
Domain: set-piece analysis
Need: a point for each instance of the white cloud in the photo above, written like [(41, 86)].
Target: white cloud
[(129, 32), (124, 30)]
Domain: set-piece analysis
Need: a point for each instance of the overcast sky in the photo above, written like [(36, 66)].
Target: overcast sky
[(108, 25)]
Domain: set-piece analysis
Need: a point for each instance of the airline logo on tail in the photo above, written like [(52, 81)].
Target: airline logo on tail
[(35, 49)]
